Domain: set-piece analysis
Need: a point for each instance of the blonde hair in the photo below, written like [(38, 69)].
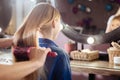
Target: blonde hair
[(117, 17), (37, 20)]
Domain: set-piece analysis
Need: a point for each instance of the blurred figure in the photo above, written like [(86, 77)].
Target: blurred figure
[(115, 23), (110, 20)]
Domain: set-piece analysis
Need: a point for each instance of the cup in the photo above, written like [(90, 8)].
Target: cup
[(116, 61)]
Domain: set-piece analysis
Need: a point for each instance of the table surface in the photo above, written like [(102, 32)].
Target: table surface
[(95, 67)]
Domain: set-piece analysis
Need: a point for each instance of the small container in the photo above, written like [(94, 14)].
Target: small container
[(113, 52), (117, 61)]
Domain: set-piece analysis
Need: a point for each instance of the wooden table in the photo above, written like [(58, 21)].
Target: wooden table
[(95, 67)]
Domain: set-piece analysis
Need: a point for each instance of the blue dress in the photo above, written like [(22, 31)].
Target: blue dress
[(58, 68)]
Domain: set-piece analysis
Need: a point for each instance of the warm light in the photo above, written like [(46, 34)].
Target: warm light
[(90, 40), (0, 29)]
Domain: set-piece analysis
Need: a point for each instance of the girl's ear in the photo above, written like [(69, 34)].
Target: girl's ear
[(54, 23)]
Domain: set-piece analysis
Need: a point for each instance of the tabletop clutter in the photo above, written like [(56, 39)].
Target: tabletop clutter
[(89, 55), (85, 54), (114, 53)]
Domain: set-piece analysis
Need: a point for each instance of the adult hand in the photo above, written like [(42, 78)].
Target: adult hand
[(39, 54)]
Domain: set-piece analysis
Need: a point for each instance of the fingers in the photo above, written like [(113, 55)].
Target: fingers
[(37, 53), (47, 50), (44, 49)]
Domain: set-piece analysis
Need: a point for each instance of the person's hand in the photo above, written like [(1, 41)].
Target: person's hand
[(39, 54)]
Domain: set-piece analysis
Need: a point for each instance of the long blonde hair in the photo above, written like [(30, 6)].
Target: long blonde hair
[(117, 17), (38, 19)]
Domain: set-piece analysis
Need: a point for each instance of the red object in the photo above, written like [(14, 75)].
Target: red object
[(22, 54), (52, 54)]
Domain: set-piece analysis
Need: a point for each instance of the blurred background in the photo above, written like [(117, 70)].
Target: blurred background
[(90, 16)]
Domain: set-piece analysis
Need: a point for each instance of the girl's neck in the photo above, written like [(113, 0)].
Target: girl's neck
[(47, 37)]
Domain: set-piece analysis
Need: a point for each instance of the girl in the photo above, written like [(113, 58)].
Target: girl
[(40, 28)]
